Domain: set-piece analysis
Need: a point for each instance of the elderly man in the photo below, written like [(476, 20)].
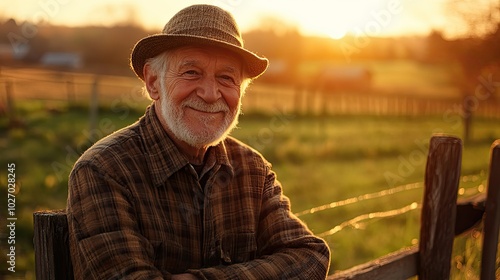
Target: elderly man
[(173, 196)]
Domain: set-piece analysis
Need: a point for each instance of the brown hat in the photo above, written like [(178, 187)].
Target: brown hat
[(204, 25)]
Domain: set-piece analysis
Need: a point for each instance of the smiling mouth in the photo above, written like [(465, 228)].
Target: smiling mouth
[(206, 111)]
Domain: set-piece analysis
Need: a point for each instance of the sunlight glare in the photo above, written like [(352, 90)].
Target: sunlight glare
[(332, 19), (337, 33)]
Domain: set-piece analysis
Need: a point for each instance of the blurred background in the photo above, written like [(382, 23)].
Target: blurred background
[(354, 91)]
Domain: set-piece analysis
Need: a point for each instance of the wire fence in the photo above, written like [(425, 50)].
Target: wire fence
[(360, 198), (356, 222)]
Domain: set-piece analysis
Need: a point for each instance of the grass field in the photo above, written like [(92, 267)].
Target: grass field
[(319, 160)]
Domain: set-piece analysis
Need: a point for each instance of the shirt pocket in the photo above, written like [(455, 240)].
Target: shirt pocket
[(237, 248), (169, 257)]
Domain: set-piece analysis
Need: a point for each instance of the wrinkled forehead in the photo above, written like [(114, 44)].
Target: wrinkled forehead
[(207, 56)]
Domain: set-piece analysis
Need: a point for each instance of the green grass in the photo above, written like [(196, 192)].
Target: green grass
[(319, 160), (402, 77)]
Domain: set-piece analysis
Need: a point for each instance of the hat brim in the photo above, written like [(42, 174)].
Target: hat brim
[(153, 45)]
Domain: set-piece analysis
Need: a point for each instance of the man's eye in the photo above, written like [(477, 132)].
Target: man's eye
[(227, 78), (191, 73)]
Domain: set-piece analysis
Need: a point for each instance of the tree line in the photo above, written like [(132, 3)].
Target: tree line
[(104, 47)]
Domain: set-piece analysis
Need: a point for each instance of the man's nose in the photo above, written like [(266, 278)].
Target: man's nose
[(209, 90)]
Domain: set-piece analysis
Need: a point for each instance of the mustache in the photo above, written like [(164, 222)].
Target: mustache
[(200, 105)]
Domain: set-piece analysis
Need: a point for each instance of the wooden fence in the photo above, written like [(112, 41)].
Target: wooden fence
[(83, 88), (442, 219)]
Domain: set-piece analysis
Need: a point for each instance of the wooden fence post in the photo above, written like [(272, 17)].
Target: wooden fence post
[(11, 109), (437, 229), (297, 99), (70, 89), (467, 113), (491, 216), (94, 108), (52, 258)]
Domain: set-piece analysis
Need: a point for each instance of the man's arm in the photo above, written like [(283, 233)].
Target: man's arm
[(105, 242), (287, 249), (184, 276)]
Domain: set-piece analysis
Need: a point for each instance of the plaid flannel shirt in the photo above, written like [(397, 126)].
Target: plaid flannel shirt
[(137, 210)]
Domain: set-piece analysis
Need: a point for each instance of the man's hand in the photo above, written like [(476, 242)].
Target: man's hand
[(184, 276)]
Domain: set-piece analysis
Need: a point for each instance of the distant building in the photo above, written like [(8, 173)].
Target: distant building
[(343, 78), (278, 72), (8, 53), (62, 59)]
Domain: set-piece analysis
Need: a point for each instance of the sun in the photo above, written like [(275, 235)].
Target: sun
[(334, 19), (337, 33)]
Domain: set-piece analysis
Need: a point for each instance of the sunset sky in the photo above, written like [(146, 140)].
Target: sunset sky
[(329, 18)]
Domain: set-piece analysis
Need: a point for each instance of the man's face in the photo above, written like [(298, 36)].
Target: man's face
[(200, 97)]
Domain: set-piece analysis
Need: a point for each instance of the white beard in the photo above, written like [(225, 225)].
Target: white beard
[(175, 120)]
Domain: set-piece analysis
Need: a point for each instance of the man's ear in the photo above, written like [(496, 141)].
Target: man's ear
[(151, 82)]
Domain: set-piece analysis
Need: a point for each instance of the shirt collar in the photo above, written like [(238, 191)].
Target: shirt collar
[(163, 157)]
